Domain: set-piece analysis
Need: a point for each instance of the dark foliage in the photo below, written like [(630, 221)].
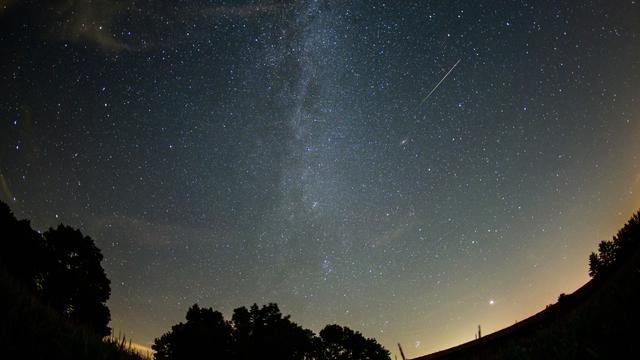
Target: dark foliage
[(76, 283), (342, 343), (61, 269), (205, 332), (30, 329), (260, 333), (23, 250), (264, 332), (46, 281), (611, 252)]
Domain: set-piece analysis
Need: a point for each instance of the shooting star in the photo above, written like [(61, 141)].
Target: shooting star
[(439, 82)]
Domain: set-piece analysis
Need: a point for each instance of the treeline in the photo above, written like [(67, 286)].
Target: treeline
[(260, 333), (53, 293)]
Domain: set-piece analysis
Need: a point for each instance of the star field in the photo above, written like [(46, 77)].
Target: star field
[(232, 152)]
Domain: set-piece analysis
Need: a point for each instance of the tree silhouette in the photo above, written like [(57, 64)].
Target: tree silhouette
[(77, 284), (265, 333), (205, 335), (61, 268), (23, 252), (342, 343), (260, 333), (611, 252)]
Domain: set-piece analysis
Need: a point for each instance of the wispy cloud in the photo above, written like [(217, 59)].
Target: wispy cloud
[(102, 23), (91, 22)]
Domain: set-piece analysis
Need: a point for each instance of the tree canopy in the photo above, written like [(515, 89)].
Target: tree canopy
[(260, 333), (61, 267), (611, 252), (342, 343), (24, 253), (76, 283), (205, 332)]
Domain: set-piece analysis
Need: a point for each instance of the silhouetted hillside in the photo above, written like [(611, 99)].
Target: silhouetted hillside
[(598, 321)]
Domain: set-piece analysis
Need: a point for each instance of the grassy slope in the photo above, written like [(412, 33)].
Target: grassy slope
[(601, 320), (30, 330)]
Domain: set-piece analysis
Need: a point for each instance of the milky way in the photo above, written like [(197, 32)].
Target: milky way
[(227, 153)]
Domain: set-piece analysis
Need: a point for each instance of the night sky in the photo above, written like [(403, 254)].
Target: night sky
[(410, 169)]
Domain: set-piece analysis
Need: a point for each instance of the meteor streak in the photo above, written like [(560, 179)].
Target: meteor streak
[(439, 82)]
